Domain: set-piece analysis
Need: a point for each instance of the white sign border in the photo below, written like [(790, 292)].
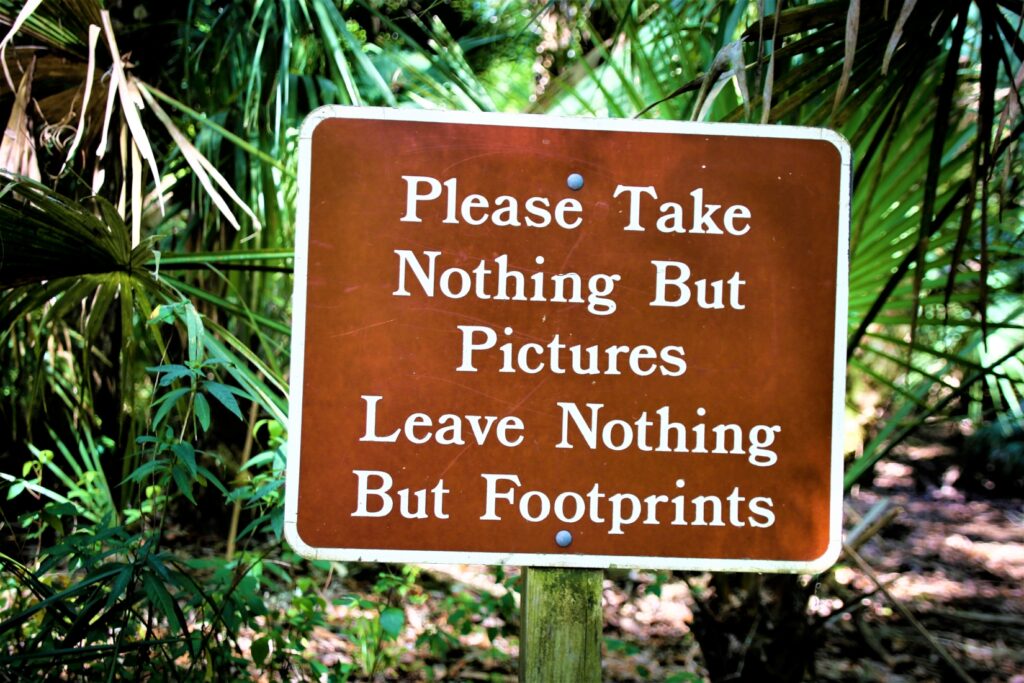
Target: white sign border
[(566, 558)]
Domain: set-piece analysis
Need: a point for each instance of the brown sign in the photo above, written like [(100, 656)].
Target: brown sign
[(567, 342)]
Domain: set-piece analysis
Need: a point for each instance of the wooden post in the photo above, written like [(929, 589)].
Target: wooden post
[(561, 625)]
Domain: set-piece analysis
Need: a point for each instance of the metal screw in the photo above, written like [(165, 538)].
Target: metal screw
[(575, 181), (563, 538)]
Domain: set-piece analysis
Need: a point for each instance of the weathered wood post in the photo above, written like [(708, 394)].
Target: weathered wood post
[(561, 625)]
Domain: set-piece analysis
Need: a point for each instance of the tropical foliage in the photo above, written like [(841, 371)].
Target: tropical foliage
[(146, 227)]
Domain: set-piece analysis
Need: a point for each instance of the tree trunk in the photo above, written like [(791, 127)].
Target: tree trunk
[(755, 627)]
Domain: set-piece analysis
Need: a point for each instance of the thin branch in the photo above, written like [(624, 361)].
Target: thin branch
[(908, 615)]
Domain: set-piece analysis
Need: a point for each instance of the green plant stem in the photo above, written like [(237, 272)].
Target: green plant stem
[(231, 266), (222, 257), (217, 617), (379, 646), (167, 502), (236, 508)]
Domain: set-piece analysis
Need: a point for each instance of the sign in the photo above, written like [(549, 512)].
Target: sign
[(564, 342)]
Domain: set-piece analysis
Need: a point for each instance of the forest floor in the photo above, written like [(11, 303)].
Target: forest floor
[(950, 562), (953, 559)]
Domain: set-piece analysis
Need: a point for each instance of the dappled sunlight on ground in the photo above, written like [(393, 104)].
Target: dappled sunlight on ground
[(951, 558), (954, 559)]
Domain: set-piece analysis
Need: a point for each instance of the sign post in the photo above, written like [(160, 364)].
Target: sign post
[(560, 625), (567, 343)]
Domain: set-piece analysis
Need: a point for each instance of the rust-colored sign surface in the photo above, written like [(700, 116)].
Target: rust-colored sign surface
[(565, 342)]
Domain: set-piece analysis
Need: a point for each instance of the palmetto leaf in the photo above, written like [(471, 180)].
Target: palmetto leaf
[(917, 88), (45, 236), (58, 258), (61, 25)]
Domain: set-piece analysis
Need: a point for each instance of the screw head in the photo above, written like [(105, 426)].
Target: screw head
[(563, 538), (574, 181)]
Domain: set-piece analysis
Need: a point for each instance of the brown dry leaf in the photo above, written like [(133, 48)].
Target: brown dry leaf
[(136, 196), (897, 33), (766, 94), (23, 15), (108, 114), (210, 178), (728, 63), (94, 34), (852, 24), (18, 150), (130, 104)]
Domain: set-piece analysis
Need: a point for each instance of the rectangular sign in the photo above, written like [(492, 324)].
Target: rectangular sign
[(568, 342)]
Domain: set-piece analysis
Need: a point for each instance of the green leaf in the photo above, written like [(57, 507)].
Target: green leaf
[(260, 650), (187, 455), (206, 475), (169, 373), (119, 587), (392, 620), (162, 600), (224, 395), (166, 403), (145, 469), (202, 409), (16, 488), (162, 314), (194, 326), (265, 490), (264, 385), (230, 307), (48, 236), (207, 121), (260, 459), (684, 677), (184, 483)]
